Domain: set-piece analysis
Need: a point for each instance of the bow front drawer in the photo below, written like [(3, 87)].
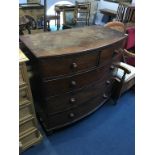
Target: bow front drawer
[(70, 116), (69, 100), (58, 66), (63, 85)]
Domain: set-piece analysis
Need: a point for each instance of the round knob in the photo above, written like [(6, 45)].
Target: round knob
[(71, 115), (23, 94), (105, 96), (112, 67), (73, 83), (72, 100), (108, 82), (74, 65)]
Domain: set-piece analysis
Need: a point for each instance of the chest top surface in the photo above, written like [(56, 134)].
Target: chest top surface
[(70, 41)]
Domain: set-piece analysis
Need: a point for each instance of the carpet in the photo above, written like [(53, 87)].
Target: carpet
[(108, 131)]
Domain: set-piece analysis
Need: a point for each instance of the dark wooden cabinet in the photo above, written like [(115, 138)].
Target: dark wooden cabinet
[(73, 71)]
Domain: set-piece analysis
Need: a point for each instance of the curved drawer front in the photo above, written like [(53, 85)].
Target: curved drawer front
[(64, 65), (60, 103), (110, 52), (67, 117), (59, 86)]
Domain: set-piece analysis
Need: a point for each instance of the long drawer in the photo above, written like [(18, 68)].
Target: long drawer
[(70, 116), (24, 95), (69, 100), (64, 65), (25, 111), (27, 125), (30, 138), (63, 85)]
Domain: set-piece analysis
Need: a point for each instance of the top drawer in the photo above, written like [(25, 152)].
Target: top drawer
[(109, 52), (63, 65)]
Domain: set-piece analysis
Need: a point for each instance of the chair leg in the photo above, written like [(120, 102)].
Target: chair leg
[(116, 91)]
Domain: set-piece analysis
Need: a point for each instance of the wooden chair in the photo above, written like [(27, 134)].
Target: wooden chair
[(125, 13), (83, 12), (124, 73), (116, 25)]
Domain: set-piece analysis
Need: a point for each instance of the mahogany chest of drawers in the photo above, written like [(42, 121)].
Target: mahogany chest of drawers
[(28, 132), (73, 71)]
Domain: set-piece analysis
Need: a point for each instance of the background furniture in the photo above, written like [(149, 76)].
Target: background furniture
[(73, 72), (29, 134), (125, 77), (24, 24), (124, 72), (82, 12), (33, 10), (69, 18), (119, 26), (126, 12), (110, 13)]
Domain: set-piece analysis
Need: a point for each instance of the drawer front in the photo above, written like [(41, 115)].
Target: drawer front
[(75, 114), (30, 138), (109, 52), (58, 66), (27, 125), (24, 95), (70, 100), (25, 111), (63, 85), (22, 79)]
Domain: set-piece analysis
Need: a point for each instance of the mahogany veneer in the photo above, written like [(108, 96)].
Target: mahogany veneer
[(73, 71)]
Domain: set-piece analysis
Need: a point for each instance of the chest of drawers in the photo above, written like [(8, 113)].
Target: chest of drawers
[(28, 132), (72, 71)]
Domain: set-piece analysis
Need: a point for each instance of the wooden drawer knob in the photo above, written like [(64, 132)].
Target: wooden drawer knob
[(71, 115), (72, 100), (105, 96), (108, 82), (73, 83), (23, 94), (74, 65)]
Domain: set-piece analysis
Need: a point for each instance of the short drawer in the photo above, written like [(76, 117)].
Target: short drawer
[(69, 100), (70, 116), (108, 53), (64, 65), (30, 138), (68, 84), (25, 111), (22, 78), (24, 95), (27, 125)]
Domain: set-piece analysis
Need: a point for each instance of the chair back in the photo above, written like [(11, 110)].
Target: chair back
[(116, 25), (83, 12), (125, 13)]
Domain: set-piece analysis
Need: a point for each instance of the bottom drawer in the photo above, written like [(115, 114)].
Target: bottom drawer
[(27, 125), (67, 117), (30, 139), (25, 111)]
